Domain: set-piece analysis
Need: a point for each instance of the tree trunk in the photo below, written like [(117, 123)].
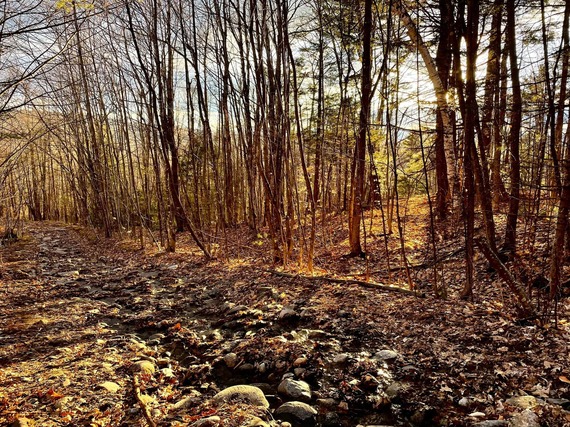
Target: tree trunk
[(359, 160), (440, 93), (514, 134)]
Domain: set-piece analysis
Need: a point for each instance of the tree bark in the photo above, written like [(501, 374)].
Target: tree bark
[(514, 134), (359, 160), (440, 93)]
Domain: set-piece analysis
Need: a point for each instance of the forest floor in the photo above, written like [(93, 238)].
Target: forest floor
[(94, 332)]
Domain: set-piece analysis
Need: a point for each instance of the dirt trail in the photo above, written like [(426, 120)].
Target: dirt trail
[(68, 319), (78, 315)]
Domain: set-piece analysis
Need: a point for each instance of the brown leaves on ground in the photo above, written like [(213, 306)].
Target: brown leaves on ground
[(76, 313)]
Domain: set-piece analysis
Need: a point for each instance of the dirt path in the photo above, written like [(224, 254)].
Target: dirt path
[(79, 319), (68, 320)]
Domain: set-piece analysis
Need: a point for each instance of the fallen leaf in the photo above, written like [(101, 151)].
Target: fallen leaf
[(54, 395), (564, 379)]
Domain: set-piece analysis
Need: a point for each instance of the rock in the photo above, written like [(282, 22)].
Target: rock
[(212, 421), (299, 414), (143, 366), (299, 372), (328, 403), (423, 415), (340, 359), (155, 338), (378, 400), (110, 386), (258, 422), (395, 390), (386, 355), (491, 423), (231, 360), (369, 383), (281, 365), (331, 419), (300, 361), (248, 393), (215, 335), (246, 368), (288, 313), (410, 371), (523, 402), (463, 402), (23, 422), (526, 418), (316, 334), (192, 400), (294, 389), (264, 387)]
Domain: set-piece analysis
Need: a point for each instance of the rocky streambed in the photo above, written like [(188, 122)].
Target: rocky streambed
[(95, 335)]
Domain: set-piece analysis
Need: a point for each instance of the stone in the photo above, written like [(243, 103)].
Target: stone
[(144, 367), (299, 414), (156, 338), (491, 423), (258, 422), (299, 372), (110, 386), (317, 334), (246, 368), (522, 402), (369, 382), (281, 365), (327, 402), (288, 313), (526, 418), (231, 360), (331, 419), (340, 359), (463, 402), (386, 355), (250, 394), (300, 361), (212, 421), (294, 389), (266, 388), (189, 401), (395, 390)]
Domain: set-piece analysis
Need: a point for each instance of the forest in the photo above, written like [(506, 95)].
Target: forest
[(284, 213)]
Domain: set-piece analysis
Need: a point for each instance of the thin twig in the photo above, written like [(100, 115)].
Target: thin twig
[(142, 404)]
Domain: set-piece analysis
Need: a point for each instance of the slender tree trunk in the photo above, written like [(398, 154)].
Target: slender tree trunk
[(359, 161), (443, 62), (440, 93), (470, 119), (514, 134)]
